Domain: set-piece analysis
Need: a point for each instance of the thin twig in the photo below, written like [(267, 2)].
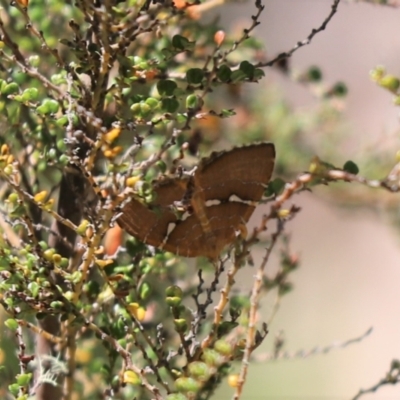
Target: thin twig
[(302, 354), (391, 378), (387, 3), (304, 42), (254, 301), (39, 331), (223, 301)]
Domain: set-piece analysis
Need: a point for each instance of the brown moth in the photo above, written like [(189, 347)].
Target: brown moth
[(216, 201)]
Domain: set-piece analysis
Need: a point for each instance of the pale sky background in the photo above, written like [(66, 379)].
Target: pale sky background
[(349, 279)]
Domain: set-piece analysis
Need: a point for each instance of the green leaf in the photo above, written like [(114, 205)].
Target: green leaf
[(53, 106), (23, 379), (145, 109), (3, 84), (174, 291), (152, 102), (133, 246), (239, 301), (58, 79), (223, 346), (135, 108), (10, 88), (160, 164), (62, 121), (181, 118), (64, 159), (390, 82), (11, 323), (18, 211), (139, 63), (225, 327), (187, 384), (338, 90), (66, 42), (238, 76), (275, 187), (166, 87), (314, 74), (170, 105), (93, 288), (192, 101), (227, 113), (351, 167), (247, 68), (14, 389), (258, 74), (33, 287), (181, 43), (199, 370), (224, 73), (61, 145), (10, 302), (285, 288), (48, 106), (194, 76), (145, 291), (34, 61), (30, 94), (57, 305)]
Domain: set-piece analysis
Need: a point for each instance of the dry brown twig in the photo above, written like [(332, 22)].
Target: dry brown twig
[(304, 42)]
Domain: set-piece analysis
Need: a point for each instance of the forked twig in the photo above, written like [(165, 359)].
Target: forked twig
[(304, 42)]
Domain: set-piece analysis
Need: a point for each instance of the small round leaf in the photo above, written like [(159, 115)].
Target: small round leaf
[(166, 87), (351, 167), (194, 76), (224, 73), (170, 105)]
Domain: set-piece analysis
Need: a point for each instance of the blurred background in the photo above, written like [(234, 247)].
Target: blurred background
[(347, 240), (349, 276)]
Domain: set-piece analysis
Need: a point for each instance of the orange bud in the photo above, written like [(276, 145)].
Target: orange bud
[(112, 240), (219, 37), (23, 3), (180, 4)]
